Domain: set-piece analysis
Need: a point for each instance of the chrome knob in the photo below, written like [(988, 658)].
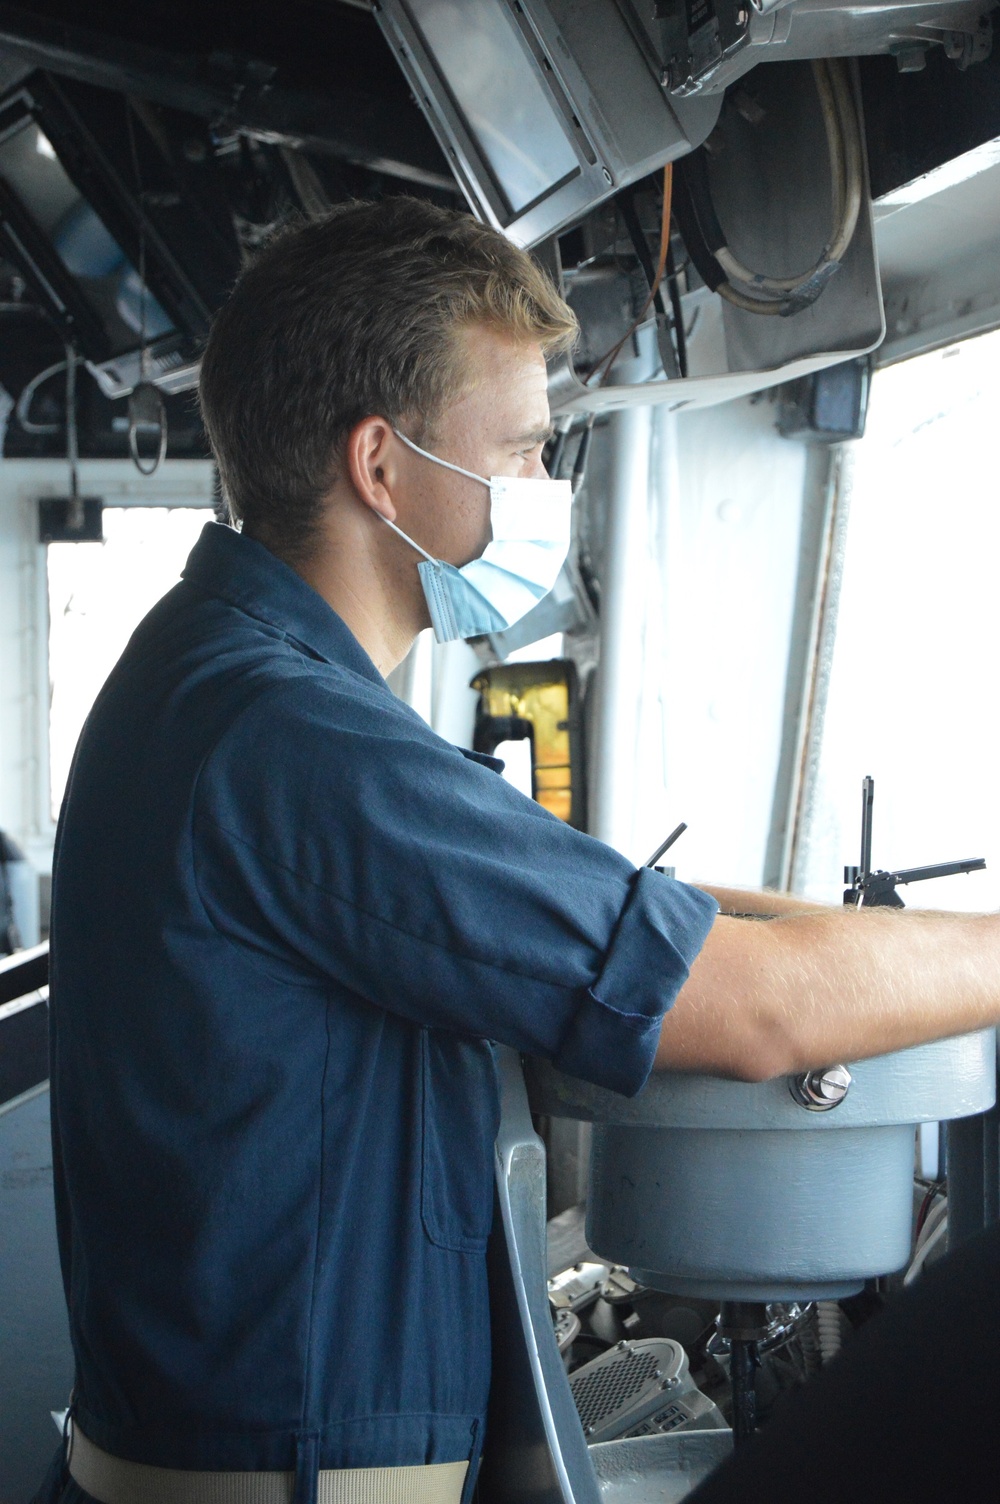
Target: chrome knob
[(821, 1090)]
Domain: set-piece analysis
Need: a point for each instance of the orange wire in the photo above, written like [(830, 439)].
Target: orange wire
[(607, 361)]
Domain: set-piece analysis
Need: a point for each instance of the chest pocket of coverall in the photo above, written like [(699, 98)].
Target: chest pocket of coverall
[(460, 1102)]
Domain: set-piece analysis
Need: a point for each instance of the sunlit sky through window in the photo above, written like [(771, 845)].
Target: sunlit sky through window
[(98, 594), (913, 697)]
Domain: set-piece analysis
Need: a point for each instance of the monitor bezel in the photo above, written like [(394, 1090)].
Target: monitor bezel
[(558, 205)]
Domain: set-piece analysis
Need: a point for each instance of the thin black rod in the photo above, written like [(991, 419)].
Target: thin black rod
[(867, 800), (671, 838), (743, 1362), (680, 338)]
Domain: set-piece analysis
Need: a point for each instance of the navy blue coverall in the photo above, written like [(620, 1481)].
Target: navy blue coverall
[(287, 917)]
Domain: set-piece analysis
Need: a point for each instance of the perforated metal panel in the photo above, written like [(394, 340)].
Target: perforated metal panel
[(639, 1389), (607, 1385)]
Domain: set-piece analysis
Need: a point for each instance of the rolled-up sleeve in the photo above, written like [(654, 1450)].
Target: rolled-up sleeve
[(616, 1028), (337, 838)]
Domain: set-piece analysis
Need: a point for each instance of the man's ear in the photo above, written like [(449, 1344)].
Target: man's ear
[(370, 461)]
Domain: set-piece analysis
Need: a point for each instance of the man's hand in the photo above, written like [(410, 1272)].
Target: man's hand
[(817, 985)]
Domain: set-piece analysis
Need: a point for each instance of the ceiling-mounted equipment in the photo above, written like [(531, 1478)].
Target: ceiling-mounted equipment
[(147, 417), (755, 291), (704, 47), (73, 518), (82, 262), (544, 107), (780, 194)]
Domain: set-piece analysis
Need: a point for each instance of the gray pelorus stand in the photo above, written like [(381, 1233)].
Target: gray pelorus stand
[(788, 1191)]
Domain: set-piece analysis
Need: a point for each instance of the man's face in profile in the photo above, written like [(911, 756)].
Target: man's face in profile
[(498, 425)]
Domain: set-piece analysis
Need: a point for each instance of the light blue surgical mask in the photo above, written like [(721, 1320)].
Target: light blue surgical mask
[(519, 566)]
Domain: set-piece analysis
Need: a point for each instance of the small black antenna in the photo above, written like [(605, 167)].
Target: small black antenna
[(671, 838), (867, 800)]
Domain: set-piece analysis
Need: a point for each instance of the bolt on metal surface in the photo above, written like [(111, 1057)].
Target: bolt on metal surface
[(821, 1090)]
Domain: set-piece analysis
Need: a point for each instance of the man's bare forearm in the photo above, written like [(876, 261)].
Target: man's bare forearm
[(830, 984), (760, 903)]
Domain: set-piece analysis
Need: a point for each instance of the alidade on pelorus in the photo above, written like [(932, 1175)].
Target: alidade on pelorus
[(822, 1090), (795, 1189), (868, 889)]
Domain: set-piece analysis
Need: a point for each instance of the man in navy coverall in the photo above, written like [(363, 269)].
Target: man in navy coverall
[(287, 918)]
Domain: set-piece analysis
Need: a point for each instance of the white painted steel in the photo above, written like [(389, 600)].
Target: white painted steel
[(619, 681)]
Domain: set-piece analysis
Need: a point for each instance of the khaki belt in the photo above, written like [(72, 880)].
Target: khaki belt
[(112, 1480)]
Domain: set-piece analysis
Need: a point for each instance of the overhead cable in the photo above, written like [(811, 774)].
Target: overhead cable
[(75, 511), (605, 363), (27, 396)]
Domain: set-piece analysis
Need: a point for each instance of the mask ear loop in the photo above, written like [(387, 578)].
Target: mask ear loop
[(435, 460), (406, 539), (470, 474), (441, 609)]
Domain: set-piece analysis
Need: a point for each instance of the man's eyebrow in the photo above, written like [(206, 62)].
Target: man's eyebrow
[(535, 436)]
